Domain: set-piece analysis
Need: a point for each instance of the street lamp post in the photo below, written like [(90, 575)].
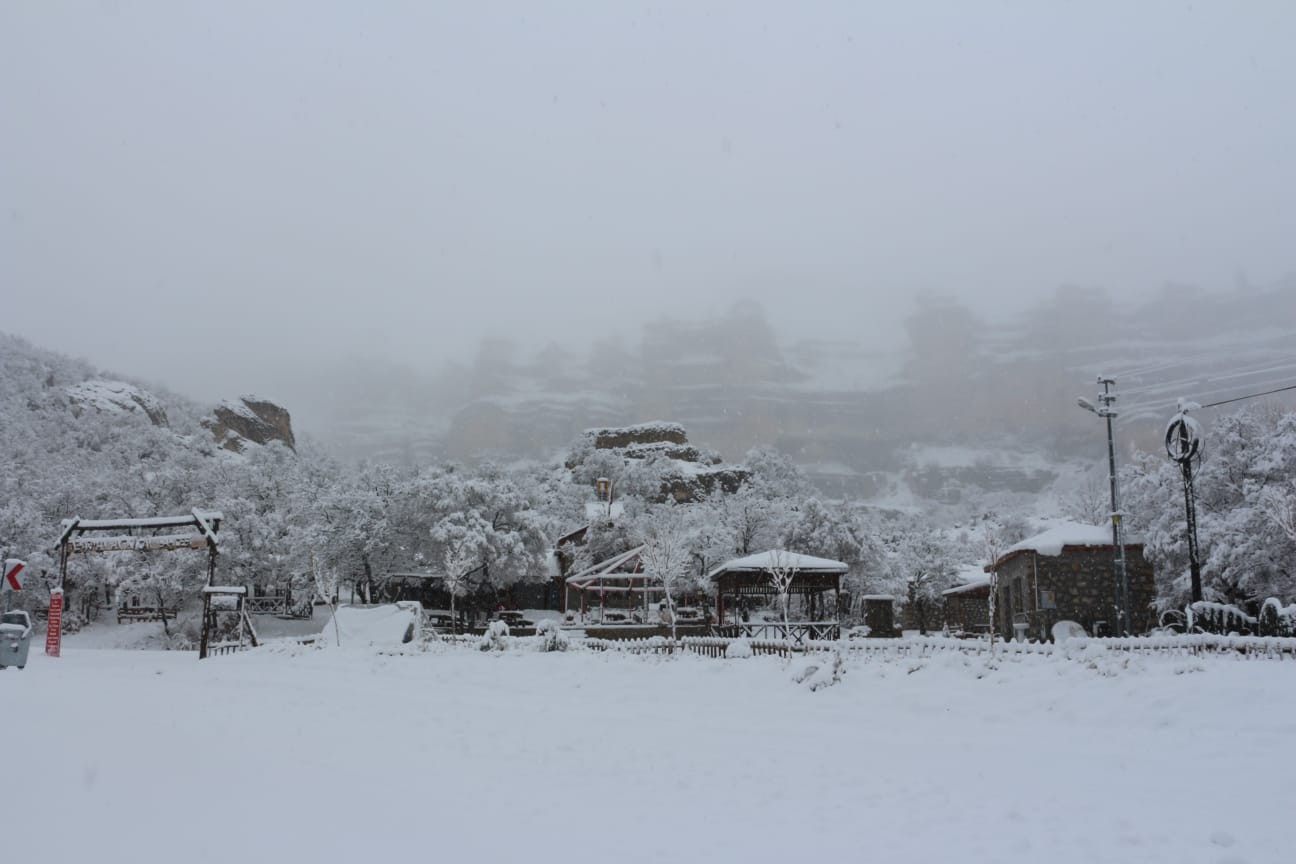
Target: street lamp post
[(1105, 410), (1183, 445)]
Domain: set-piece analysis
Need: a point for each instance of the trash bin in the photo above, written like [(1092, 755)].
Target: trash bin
[(15, 639)]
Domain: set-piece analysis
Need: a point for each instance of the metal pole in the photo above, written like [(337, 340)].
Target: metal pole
[(1190, 507), (1106, 397)]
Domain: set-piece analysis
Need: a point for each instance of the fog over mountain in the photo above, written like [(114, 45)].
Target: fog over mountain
[(991, 403), (460, 230)]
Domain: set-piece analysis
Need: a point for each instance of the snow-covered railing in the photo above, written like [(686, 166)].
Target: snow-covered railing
[(455, 638), (1241, 647), (1196, 643), (706, 646), (649, 645)]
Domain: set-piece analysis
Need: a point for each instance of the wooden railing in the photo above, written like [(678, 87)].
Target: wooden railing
[(797, 632), (131, 614), (277, 606)]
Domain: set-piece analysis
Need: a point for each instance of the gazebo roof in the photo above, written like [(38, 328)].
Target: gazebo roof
[(763, 562)]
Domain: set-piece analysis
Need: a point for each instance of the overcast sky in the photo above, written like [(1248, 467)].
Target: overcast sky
[(190, 190)]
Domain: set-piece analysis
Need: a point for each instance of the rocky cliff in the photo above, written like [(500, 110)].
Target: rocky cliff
[(235, 423)]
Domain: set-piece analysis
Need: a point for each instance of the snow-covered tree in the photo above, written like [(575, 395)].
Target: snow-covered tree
[(666, 556), (782, 572), (923, 565), (1244, 476)]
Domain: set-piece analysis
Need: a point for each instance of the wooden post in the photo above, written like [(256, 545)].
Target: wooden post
[(206, 627)]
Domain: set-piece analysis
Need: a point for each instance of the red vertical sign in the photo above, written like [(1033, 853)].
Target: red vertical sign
[(52, 633)]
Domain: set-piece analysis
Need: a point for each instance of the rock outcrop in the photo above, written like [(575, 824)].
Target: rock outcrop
[(235, 423), (116, 397), (685, 473)]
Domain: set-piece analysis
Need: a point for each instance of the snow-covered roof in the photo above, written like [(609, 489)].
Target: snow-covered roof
[(1050, 542), (1063, 534), (969, 577), (968, 587), (779, 558)]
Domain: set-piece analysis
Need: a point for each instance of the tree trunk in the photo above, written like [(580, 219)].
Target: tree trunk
[(162, 614)]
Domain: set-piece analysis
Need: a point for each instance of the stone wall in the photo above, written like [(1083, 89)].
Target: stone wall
[(924, 614), (968, 610)]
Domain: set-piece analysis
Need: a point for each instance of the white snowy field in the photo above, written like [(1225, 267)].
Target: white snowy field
[(349, 756)]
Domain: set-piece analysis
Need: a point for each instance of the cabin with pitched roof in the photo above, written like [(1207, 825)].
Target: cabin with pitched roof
[(1068, 573)]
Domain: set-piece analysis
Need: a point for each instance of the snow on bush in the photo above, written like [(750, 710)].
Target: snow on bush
[(1276, 619), (821, 671), (551, 638), (1219, 617), (738, 648), (496, 637)]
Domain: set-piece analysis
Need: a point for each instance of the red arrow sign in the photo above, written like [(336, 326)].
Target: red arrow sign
[(12, 568)]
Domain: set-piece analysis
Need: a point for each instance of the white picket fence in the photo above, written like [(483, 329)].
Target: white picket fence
[(1243, 647)]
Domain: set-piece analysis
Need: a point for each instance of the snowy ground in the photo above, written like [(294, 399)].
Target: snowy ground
[(337, 755)]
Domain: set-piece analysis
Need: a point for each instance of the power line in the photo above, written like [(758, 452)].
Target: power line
[(1252, 396)]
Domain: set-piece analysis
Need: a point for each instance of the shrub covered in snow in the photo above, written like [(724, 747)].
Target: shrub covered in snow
[(496, 637), (551, 638), (1276, 619), (820, 671)]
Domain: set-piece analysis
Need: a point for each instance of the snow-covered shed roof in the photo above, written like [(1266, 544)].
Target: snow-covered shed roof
[(777, 558), (967, 587), (970, 579), (1060, 536)]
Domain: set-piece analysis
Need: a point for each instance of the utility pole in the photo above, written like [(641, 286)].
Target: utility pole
[(1103, 409)]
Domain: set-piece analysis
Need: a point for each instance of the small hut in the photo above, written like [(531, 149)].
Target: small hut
[(811, 579), (967, 606)]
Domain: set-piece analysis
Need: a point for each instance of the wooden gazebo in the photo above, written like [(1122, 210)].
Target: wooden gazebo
[(755, 575)]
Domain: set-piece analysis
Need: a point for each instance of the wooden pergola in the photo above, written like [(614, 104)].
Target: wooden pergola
[(619, 576), (753, 576)]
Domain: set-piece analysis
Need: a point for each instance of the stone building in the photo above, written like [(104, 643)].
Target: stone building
[(1068, 574), (967, 607)]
